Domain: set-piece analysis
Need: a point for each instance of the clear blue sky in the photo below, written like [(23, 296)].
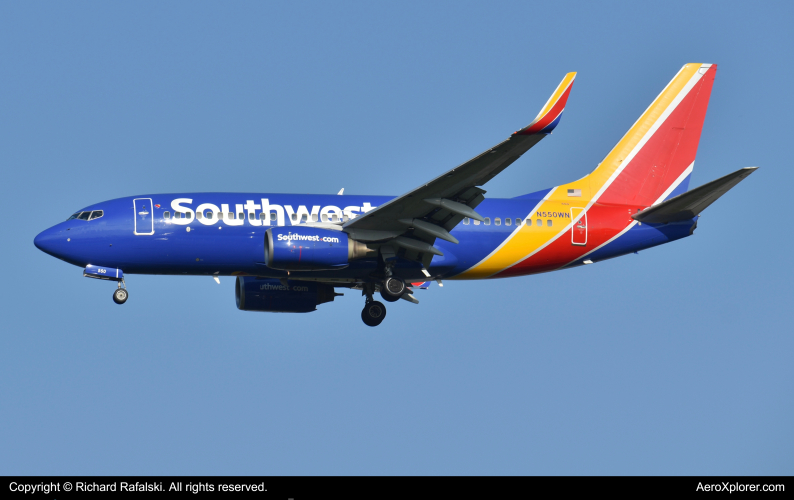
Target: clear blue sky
[(674, 361)]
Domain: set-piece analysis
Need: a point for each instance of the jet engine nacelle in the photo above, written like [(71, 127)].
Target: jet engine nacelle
[(306, 248), (271, 295)]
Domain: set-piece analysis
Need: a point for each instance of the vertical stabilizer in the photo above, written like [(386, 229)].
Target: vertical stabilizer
[(654, 159)]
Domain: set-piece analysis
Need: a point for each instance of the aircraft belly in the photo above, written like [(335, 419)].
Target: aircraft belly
[(641, 237), (200, 251)]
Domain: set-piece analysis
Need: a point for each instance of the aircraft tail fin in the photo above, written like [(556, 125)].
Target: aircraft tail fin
[(687, 205), (654, 159)]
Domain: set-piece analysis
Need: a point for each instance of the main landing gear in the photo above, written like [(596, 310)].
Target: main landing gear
[(373, 313), (392, 289), (120, 295)]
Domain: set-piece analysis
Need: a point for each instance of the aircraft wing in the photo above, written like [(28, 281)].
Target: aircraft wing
[(413, 221)]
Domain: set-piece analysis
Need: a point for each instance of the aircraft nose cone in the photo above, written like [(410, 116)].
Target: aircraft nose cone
[(47, 241)]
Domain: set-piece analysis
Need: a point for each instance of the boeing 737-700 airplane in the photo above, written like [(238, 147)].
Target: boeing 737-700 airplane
[(289, 252)]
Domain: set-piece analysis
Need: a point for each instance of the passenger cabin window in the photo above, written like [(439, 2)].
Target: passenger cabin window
[(465, 221), (166, 215), (497, 221), (325, 217), (548, 222), (334, 218), (96, 214), (518, 221), (241, 216), (294, 217), (251, 216), (487, 221), (476, 222), (84, 215), (209, 215), (508, 221), (262, 216), (272, 216), (539, 223), (199, 215), (303, 218)]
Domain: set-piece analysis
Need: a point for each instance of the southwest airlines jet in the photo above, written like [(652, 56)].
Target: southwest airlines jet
[(290, 252)]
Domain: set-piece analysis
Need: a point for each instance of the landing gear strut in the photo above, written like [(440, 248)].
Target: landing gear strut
[(120, 295)]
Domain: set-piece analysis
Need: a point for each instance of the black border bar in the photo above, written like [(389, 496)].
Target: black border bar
[(351, 487)]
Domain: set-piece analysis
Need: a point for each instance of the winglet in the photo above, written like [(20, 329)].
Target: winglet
[(549, 116)]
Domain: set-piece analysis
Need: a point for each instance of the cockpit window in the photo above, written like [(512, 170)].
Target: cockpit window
[(89, 215)]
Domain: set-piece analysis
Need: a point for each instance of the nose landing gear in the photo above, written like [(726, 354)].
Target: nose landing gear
[(109, 274), (120, 295)]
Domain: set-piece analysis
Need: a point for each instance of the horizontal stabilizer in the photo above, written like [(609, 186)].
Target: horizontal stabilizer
[(688, 205)]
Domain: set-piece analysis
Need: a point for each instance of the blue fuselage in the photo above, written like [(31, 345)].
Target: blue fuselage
[(182, 234)]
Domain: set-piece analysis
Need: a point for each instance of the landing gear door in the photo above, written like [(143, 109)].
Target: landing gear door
[(579, 230), (144, 216)]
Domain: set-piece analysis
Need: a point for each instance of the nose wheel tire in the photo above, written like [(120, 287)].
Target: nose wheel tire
[(393, 288), (373, 313), (120, 296)]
